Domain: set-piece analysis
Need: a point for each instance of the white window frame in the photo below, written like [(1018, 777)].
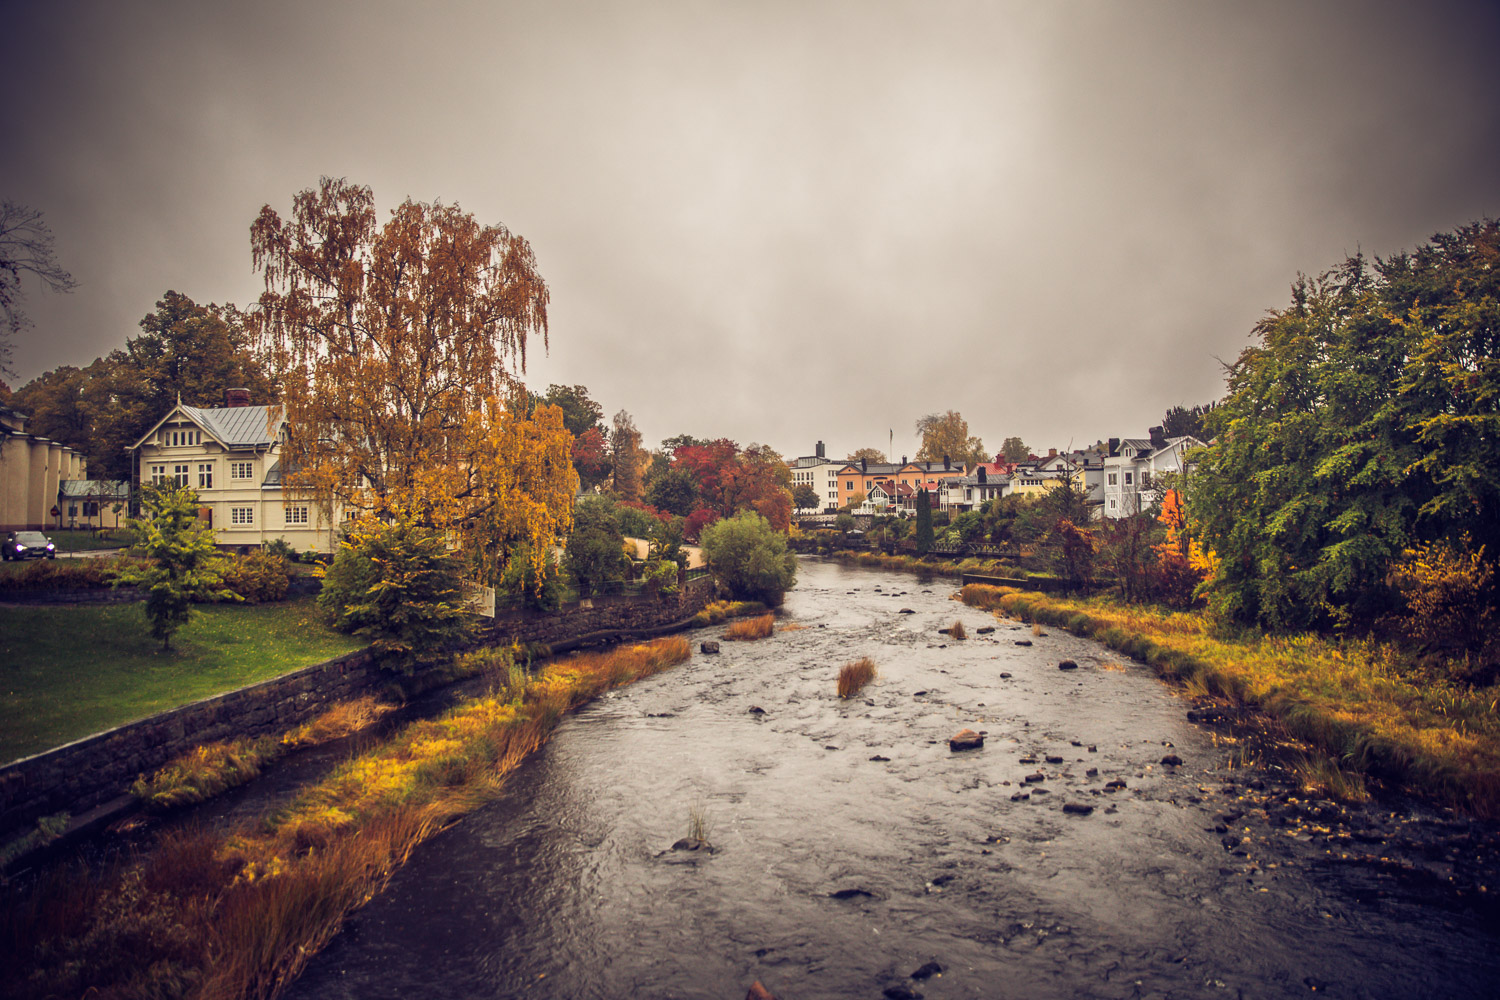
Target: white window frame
[(180, 474), (242, 516), (159, 475), (235, 468), (205, 475), (296, 514)]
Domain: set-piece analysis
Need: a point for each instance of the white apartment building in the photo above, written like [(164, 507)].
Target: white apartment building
[(1131, 469), (229, 455), (822, 475)]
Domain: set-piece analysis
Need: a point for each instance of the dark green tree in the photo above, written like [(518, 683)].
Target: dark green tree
[(595, 553), (749, 558), (398, 585), (1013, 449), (580, 413), (804, 497), (1192, 421), (183, 564), (923, 537), (674, 491), (1365, 420)]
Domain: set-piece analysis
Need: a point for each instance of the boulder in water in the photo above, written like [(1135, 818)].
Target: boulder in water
[(966, 739), (708, 647)]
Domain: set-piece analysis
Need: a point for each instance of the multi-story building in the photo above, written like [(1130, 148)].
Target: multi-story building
[(32, 471), (1132, 466), (863, 476), (821, 474), (230, 456)]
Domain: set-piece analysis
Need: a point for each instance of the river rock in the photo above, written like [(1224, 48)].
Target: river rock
[(966, 739), (1028, 759), (1032, 779), (756, 710), (1023, 642), (691, 844), (906, 611), (1092, 772), (927, 971), (850, 893), (759, 992), (1115, 785), (1004, 675), (1172, 760), (1053, 758), (1077, 808), (880, 758), (708, 647), (900, 992), (1067, 665), (986, 630)]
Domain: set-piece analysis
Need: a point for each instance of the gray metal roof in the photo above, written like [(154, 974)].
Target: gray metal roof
[(93, 489), (237, 426)]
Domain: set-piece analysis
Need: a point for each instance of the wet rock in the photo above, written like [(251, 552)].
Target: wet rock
[(918, 694), (1067, 665), (945, 631), (927, 971), (986, 630), (906, 611), (708, 647), (966, 739), (1093, 749), (692, 844), (1115, 785), (759, 992), (1023, 642), (1004, 675), (877, 757), (1053, 758), (1076, 743), (757, 710), (1032, 779), (1171, 760), (1028, 759), (1091, 772), (1077, 808), (1020, 796), (900, 992), (851, 894)]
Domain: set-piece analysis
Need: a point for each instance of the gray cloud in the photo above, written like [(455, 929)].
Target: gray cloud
[(782, 222)]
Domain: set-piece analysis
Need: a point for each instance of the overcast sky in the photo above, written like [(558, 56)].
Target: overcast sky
[(779, 222)]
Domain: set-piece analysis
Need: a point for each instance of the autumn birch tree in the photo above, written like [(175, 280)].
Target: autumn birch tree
[(400, 347)]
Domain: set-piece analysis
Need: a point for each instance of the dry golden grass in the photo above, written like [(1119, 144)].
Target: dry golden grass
[(854, 676), (1359, 702), (1112, 665), (958, 631), (747, 629), (793, 627), (1036, 628), (341, 720), (230, 916)]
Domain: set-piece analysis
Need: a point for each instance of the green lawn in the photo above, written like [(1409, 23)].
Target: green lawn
[(83, 540), (67, 672)]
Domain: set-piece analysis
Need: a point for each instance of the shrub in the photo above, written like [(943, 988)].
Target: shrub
[(854, 676), (280, 547), (205, 771), (747, 629), (184, 566), (258, 577), (749, 558), (1448, 595), (958, 631), (397, 585), (594, 552), (539, 591), (69, 574)]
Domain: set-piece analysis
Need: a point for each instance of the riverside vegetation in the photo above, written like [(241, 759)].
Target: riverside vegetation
[(233, 914), (1367, 705)]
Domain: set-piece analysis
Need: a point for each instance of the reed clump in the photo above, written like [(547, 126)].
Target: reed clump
[(748, 629), (720, 611), (343, 719), (1357, 701), (206, 771), (854, 676), (238, 914), (958, 631)]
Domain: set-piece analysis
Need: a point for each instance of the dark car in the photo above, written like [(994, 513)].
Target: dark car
[(28, 545)]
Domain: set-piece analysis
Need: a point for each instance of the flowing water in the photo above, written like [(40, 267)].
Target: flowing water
[(851, 846)]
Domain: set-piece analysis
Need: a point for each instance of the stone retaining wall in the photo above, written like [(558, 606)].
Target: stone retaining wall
[(90, 772)]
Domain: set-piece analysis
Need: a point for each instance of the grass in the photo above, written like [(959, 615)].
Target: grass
[(68, 672), (720, 611), (748, 629), (89, 541), (218, 916), (1361, 704), (208, 770), (854, 676), (938, 567), (958, 631), (700, 824)]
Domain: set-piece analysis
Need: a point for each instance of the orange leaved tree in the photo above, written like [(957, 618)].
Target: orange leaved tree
[(399, 346)]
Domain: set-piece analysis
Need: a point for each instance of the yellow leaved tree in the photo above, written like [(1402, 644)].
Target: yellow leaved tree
[(400, 348)]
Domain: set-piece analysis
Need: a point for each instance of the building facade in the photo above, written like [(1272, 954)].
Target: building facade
[(32, 471), (230, 456)]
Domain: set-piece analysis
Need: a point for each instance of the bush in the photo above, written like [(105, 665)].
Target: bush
[(595, 554), (69, 574), (258, 577), (854, 676), (749, 558), (399, 586), (540, 592), (1448, 595), (747, 629)]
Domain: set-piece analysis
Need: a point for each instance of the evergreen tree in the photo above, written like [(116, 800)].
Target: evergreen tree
[(184, 564), (924, 521)]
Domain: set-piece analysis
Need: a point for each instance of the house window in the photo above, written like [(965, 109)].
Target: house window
[(242, 515), (159, 475), (1114, 479), (180, 475), (848, 486), (90, 508), (206, 476), (296, 515), (1128, 477), (241, 470), (1111, 503)]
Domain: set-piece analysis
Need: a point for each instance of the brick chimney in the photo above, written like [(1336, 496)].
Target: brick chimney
[(236, 397)]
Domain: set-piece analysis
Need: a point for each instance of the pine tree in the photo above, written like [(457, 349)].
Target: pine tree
[(924, 522)]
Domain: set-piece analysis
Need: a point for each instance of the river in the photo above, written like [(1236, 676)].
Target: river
[(852, 847)]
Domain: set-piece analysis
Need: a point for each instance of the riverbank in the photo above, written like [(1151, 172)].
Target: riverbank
[(208, 914), (1360, 703)]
